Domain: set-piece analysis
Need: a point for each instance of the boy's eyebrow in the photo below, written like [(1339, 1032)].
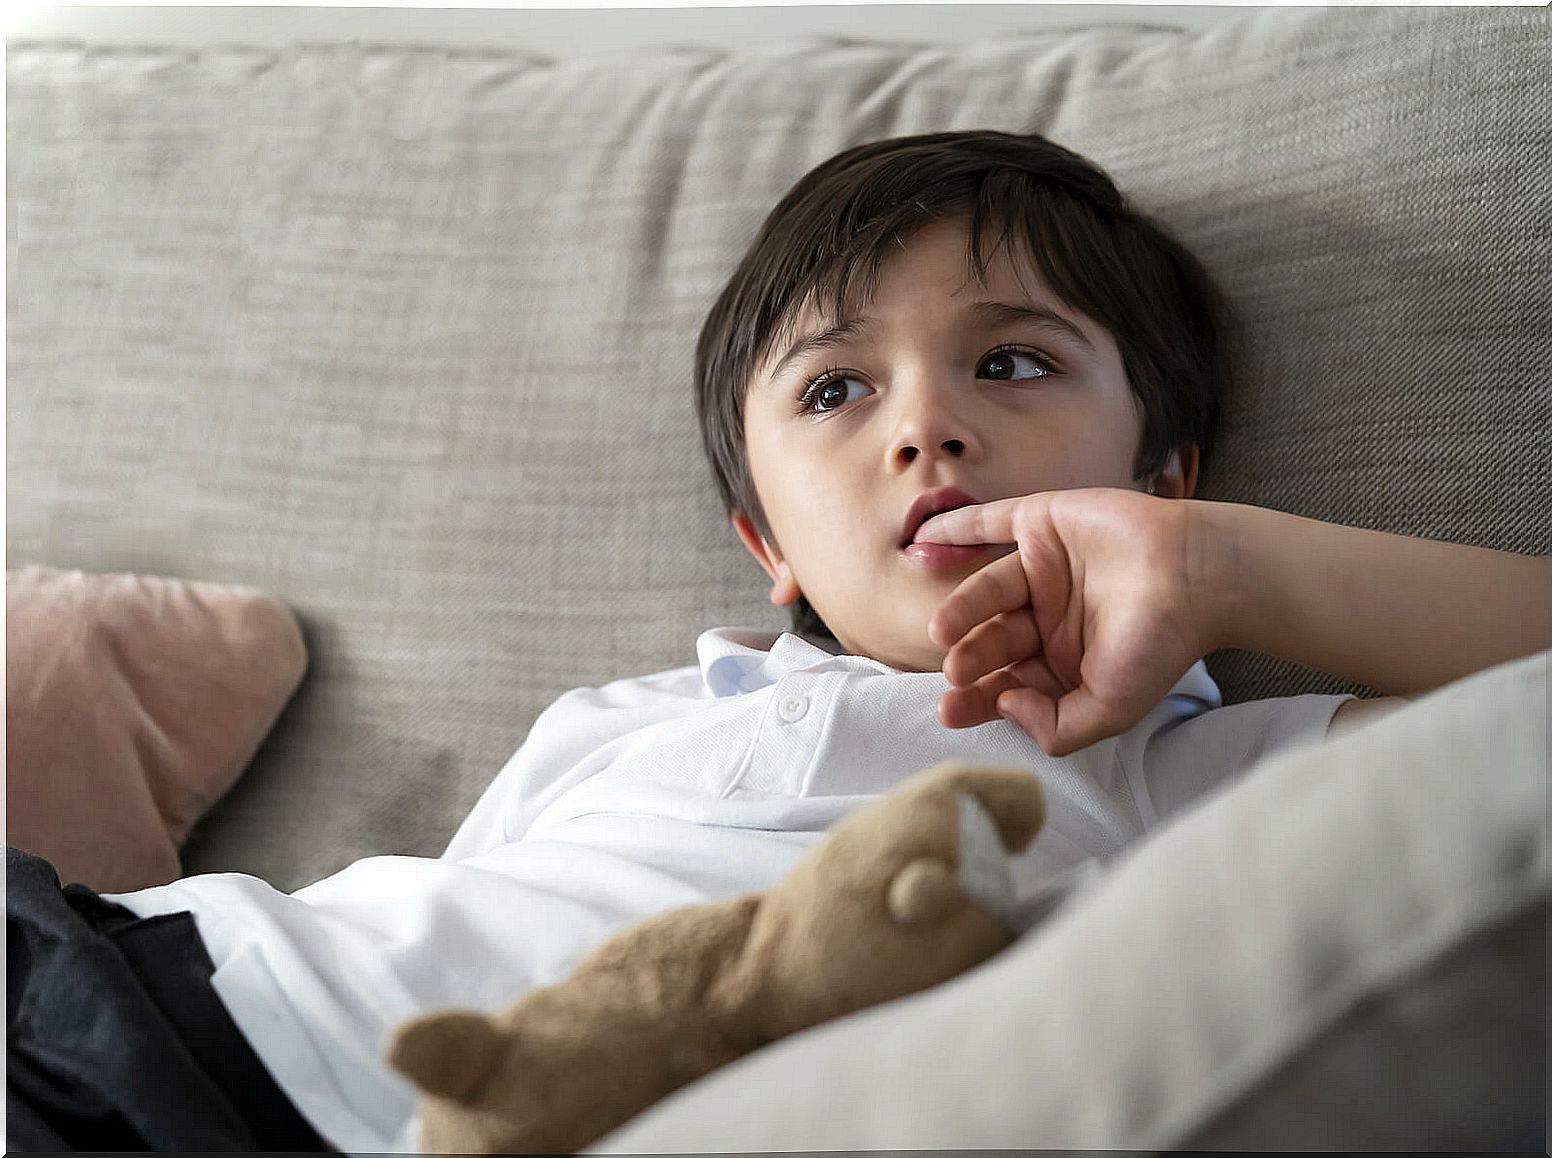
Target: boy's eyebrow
[(1007, 313), (826, 339), (985, 313)]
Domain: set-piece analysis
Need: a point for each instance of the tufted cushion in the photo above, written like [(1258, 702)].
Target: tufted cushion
[(404, 335)]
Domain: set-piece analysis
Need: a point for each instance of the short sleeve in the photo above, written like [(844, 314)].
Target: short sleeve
[(1185, 760)]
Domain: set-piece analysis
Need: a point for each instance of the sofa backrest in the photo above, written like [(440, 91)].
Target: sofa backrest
[(404, 335)]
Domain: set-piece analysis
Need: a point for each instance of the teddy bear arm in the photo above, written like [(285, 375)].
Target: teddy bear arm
[(447, 1052), (640, 1017)]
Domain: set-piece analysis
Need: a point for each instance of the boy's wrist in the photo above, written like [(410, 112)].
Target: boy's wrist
[(1220, 559)]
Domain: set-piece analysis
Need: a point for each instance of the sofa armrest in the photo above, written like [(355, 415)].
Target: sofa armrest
[(1345, 949)]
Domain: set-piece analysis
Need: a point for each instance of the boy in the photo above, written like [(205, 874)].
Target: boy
[(1024, 348)]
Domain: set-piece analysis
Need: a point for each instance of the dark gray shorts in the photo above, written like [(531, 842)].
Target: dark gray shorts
[(115, 1039)]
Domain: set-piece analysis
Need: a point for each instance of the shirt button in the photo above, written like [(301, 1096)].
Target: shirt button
[(792, 708)]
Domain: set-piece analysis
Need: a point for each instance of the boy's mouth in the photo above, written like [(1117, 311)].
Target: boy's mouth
[(947, 556), (933, 502)]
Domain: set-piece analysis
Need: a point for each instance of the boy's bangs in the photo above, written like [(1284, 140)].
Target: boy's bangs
[(1039, 228), (844, 286)]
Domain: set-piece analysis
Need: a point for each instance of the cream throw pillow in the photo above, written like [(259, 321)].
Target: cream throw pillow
[(132, 704)]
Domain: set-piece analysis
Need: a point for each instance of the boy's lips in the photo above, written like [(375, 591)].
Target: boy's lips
[(933, 502), (939, 556), (936, 556)]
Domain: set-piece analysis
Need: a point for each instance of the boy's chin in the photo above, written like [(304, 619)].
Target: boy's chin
[(906, 647), (922, 656)]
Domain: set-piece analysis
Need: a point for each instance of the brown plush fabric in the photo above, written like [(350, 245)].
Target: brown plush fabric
[(132, 704)]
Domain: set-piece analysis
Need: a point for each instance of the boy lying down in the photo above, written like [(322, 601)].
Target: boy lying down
[(955, 398)]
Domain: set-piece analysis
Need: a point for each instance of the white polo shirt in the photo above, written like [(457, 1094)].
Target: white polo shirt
[(690, 785)]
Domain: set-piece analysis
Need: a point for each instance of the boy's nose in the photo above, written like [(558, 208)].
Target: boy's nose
[(930, 419), (950, 448), (935, 431)]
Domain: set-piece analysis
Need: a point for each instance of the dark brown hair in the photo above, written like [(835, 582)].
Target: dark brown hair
[(1097, 253)]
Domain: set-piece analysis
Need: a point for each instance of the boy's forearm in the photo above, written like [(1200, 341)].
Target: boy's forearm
[(1399, 614)]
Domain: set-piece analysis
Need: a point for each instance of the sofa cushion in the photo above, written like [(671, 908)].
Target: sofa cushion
[(404, 335), (132, 703)]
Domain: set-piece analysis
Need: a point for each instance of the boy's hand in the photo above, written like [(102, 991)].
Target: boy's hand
[(1078, 634)]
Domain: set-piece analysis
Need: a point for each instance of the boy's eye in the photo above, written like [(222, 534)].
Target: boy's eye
[(825, 393), (829, 391), (1004, 364)]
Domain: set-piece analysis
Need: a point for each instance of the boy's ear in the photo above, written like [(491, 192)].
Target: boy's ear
[(784, 590), (1178, 478)]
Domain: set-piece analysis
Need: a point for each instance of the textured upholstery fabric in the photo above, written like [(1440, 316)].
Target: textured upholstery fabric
[(404, 335), (1345, 951)]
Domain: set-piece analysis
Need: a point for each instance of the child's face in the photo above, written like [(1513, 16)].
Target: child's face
[(933, 390)]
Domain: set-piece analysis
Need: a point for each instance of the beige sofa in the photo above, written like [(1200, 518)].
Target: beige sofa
[(403, 334)]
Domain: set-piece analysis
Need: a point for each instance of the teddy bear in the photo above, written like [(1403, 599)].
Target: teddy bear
[(906, 891)]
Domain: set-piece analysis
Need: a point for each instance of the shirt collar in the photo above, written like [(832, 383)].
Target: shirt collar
[(737, 660)]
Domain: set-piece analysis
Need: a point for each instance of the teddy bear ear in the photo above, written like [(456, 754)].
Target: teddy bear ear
[(923, 892), (1012, 798), (448, 1053)]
